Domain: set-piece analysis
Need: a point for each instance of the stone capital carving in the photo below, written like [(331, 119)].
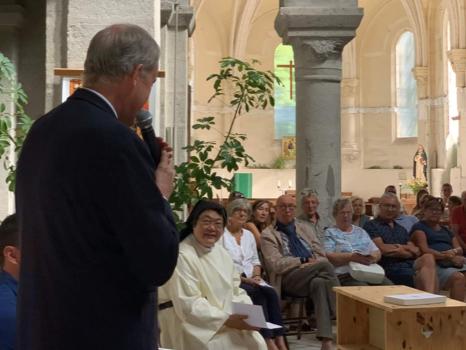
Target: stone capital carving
[(165, 12), (421, 74), (318, 35), (318, 23), (458, 61), (324, 49), (169, 14)]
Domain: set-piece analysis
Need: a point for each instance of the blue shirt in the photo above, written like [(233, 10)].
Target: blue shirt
[(407, 221), (8, 292), (440, 240), (390, 235), (337, 241)]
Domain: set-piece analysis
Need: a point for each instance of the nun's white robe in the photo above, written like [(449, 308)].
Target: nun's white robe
[(202, 289)]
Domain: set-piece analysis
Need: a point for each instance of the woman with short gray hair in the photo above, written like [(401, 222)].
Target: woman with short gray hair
[(345, 243), (241, 245)]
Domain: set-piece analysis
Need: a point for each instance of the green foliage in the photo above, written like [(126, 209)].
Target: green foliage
[(11, 92), (247, 88), (279, 163)]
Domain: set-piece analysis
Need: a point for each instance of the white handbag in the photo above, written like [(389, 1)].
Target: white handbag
[(373, 273)]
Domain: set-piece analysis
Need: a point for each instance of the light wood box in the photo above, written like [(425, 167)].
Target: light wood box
[(366, 322)]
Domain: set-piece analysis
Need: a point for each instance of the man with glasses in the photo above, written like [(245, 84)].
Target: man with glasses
[(310, 215), (401, 259), (296, 264)]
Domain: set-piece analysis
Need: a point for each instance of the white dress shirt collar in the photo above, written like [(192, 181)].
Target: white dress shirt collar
[(103, 98)]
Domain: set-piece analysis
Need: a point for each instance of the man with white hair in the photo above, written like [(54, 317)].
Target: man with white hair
[(97, 234), (310, 214)]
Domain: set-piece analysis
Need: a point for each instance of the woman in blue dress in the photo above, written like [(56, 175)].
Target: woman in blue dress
[(432, 238)]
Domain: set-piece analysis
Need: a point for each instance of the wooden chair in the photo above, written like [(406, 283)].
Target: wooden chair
[(293, 324)]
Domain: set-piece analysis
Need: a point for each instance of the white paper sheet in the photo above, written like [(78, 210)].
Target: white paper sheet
[(264, 284), (255, 315)]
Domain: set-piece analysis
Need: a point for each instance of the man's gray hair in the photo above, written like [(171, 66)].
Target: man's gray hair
[(340, 204), (390, 195), (116, 50), (308, 192), (238, 204)]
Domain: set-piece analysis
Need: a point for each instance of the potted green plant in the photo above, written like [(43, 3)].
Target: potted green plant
[(14, 122), (249, 88)]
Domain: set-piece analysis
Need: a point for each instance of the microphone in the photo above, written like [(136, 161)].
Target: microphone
[(144, 122)]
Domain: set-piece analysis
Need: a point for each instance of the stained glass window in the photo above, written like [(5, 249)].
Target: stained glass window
[(285, 96)]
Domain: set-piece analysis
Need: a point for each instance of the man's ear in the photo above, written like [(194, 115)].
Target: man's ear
[(11, 254), (136, 73)]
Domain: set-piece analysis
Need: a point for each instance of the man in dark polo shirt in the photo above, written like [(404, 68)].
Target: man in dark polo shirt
[(400, 258)]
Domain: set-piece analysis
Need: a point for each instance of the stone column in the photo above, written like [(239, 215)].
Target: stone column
[(318, 30), (421, 74), (177, 22), (458, 61)]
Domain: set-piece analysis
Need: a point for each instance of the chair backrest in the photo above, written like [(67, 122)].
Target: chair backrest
[(265, 274)]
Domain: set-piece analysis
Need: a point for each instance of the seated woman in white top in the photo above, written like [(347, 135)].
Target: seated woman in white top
[(241, 245), (346, 242), (195, 305)]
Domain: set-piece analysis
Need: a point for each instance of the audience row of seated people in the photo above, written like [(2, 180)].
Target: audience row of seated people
[(223, 253), (219, 264)]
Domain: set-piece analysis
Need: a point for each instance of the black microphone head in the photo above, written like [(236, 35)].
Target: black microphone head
[(144, 119)]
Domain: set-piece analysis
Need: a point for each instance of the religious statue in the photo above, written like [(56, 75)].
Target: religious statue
[(420, 164)]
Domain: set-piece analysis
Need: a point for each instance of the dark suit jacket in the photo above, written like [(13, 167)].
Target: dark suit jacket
[(97, 237)]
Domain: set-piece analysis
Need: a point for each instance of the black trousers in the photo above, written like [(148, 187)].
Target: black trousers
[(266, 297)]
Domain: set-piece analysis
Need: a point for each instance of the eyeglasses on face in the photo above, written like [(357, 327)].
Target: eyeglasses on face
[(290, 207), (389, 206), (218, 225)]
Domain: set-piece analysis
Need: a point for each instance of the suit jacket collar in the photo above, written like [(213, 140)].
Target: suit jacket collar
[(89, 96)]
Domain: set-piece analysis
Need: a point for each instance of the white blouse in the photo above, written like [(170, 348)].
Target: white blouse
[(244, 255)]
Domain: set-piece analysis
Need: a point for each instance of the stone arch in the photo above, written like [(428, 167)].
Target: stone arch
[(457, 21), (349, 60), (416, 14), (241, 32)]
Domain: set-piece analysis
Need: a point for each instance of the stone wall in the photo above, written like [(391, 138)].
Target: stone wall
[(87, 17)]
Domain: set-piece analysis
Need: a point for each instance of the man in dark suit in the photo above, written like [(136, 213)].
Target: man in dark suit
[(98, 234)]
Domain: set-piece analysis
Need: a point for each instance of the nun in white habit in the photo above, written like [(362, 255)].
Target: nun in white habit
[(195, 305)]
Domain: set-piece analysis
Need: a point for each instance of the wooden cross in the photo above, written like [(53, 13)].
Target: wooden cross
[(290, 66)]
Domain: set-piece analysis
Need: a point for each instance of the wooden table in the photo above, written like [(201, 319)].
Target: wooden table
[(366, 322)]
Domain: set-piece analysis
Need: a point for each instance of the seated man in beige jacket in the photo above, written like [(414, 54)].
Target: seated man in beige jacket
[(297, 266)]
